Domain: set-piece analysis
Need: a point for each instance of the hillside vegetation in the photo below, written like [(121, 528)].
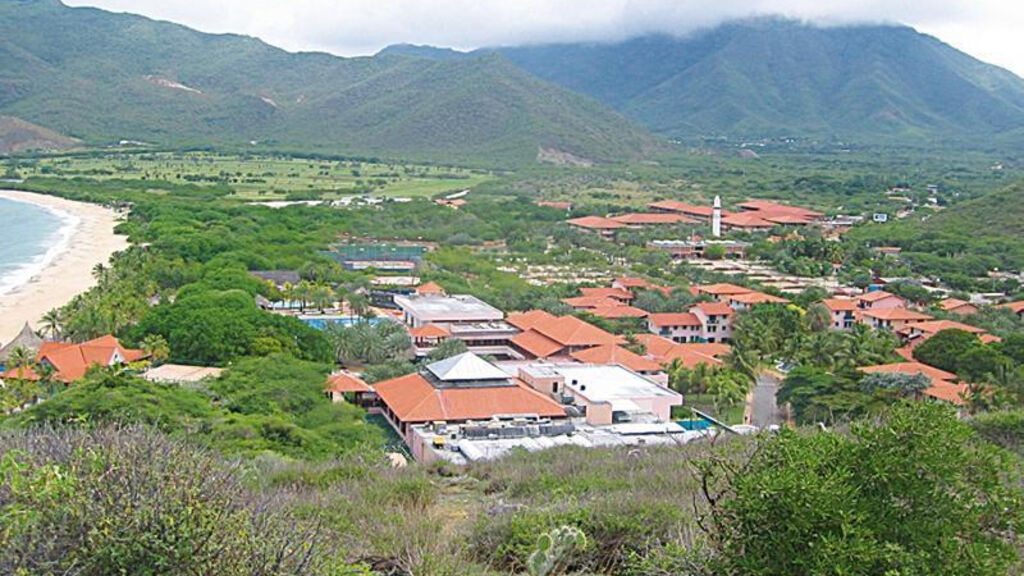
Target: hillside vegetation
[(773, 78), (106, 77)]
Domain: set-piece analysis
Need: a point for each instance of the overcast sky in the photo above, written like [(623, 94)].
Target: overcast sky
[(992, 30)]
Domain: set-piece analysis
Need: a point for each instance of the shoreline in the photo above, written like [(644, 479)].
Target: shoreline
[(85, 239)]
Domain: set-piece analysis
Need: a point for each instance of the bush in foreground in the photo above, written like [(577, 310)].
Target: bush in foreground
[(132, 501)]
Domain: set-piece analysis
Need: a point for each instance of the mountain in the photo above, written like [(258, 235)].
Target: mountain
[(773, 77), (103, 77)]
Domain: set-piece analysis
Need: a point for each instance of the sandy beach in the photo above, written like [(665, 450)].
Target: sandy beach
[(92, 241)]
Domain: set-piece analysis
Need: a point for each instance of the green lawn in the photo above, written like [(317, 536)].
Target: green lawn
[(266, 177), (705, 403)]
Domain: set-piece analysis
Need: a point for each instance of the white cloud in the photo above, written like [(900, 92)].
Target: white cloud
[(987, 29)]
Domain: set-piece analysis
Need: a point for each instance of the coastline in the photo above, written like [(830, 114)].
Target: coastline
[(85, 239)]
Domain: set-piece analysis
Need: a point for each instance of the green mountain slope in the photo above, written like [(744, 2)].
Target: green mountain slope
[(779, 78), (105, 77), (967, 238)]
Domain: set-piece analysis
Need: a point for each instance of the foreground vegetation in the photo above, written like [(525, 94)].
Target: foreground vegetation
[(915, 491)]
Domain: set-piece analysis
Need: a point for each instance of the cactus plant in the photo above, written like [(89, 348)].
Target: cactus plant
[(554, 550)]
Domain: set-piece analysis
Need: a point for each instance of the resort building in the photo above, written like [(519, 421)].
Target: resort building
[(665, 351), (605, 227), (894, 319), (69, 362), (699, 213), (433, 316), (719, 292), (878, 300), (460, 389), (347, 387), (26, 339), (679, 327), (613, 354), (748, 300), (943, 384), (634, 220), (957, 306), (715, 319), (843, 313), (545, 335), (1015, 307), (914, 334)]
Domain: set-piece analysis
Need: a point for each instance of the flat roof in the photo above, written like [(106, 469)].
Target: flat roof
[(442, 308), (609, 383)]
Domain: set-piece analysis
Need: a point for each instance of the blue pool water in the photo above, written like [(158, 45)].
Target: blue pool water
[(321, 322)]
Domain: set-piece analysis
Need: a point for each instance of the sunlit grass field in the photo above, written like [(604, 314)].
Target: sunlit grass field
[(259, 177)]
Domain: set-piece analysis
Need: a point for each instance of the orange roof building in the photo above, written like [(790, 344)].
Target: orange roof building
[(664, 351), (943, 386), (590, 302), (891, 318), (700, 212), (717, 291), (606, 226), (613, 293), (957, 306), (1015, 307), (545, 335), (459, 389), (614, 354), (652, 219), (617, 312), (744, 221), (70, 361), (430, 288)]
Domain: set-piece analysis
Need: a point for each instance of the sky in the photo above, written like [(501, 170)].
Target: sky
[(991, 30)]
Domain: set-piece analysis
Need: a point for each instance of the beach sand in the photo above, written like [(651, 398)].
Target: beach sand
[(70, 273)]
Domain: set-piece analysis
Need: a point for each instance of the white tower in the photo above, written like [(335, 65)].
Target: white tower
[(716, 218)]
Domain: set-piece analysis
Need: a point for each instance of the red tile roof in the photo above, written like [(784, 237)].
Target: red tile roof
[(430, 288), (895, 314), (746, 220), (617, 312), (714, 308), (933, 326), (674, 319), (596, 223), (1016, 307), (875, 296), (587, 302), (555, 205), (571, 331), (614, 293), (950, 304), (947, 392), (413, 399), (910, 368), (343, 382), (537, 344), (756, 298), (612, 354), (721, 289), (527, 320), (663, 351), (655, 218), (71, 361), (430, 331), (839, 304), (684, 208)]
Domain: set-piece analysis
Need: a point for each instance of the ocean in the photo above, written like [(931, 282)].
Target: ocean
[(30, 238)]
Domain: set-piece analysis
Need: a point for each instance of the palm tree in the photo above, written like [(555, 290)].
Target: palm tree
[(155, 346), (52, 324), (322, 296), (359, 305), (21, 359)]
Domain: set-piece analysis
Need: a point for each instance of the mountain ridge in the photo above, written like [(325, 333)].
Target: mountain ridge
[(103, 77), (771, 77)]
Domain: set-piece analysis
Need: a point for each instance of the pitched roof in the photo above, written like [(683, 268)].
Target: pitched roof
[(721, 289), (632, 282), (527, 320), (613, 354), (783, 218), (607, 293), (344, 382), (935, 326), (537, 344), (596, 223), (465, 367), (746, 220), (839, 304), (617, 311), (950, 304), (1017, 307), (713, 308), (875, 296), (683, 207), (655, 218), (571, 331), (430, 288), (429, 331), (947, 392), (26, 338), (910, 368), (663, 351), (674, 319), (592, 302), (895, 314), (413, 399), (756, 298), (71, 361)]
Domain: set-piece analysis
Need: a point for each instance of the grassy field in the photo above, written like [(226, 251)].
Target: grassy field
[(267, 177)]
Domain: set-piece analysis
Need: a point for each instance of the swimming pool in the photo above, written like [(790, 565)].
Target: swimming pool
[(322, 322)]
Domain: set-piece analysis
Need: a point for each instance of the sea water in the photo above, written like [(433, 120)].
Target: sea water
[(31, 237)]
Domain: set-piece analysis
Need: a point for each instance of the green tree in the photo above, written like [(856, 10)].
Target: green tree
[(918, 493), (945, 349), (446, 349)]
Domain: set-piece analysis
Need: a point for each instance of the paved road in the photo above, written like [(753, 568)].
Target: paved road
[(764, 410)]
